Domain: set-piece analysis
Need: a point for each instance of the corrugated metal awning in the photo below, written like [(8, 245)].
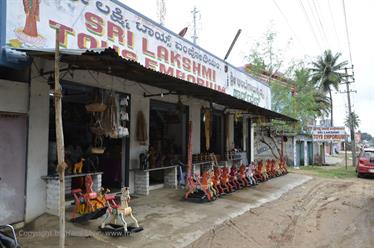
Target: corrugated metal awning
[(101, 60)]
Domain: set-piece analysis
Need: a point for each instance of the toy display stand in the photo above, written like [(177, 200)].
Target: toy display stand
[(114, 230)]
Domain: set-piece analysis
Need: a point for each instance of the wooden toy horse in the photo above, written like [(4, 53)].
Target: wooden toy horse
[(78, 166), (225, 180), (191, 186), (258, 172), (243, 176), (119, 212), (234, 177), (216, 179), (206, 186), (250, 173)]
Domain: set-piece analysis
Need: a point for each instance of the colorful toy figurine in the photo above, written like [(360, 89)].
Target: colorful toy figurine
[(243, 180), (234, 177), (225, 180), (116, 212), (89, 205), (250, 174), (78, 166), (216, 179)]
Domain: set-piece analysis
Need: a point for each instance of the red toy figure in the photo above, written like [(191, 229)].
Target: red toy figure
[(205, 185), (258, 172), (191, 186), (225, 180), (243, 176), (268, 168), (273, 169), (234, 177), (216, 175)]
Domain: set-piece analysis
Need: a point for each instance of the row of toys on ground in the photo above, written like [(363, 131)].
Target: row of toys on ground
[(92, 205), (224, 180)]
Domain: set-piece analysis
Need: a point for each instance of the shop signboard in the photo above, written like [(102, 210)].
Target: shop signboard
[(327, 134), (88, 24)]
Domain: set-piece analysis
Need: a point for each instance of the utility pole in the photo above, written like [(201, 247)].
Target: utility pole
[(61, 166), (351, 126), (194, 14)]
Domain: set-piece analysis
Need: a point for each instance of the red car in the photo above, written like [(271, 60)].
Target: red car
[(365, 165)]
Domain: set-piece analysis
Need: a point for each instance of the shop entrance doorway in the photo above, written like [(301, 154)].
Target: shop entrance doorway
[(218, 133), (167, 138), (80, 140)]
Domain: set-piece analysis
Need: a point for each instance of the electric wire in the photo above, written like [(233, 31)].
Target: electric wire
[(320, 18), (313, 10), (310, 24), (347, 32), (289, 25), (334, 26)]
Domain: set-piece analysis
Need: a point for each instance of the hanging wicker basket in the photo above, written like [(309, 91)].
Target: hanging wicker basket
[(98, 146), (96, 107), (97, 150)]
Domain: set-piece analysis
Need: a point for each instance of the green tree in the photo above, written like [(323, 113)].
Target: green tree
[(326, 73), (352, 119)]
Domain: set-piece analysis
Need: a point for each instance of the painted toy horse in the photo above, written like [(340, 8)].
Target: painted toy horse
[(119, 212), (243, 180)]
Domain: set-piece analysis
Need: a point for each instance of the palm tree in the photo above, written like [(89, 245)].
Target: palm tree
[(352, 121), (326, 73)]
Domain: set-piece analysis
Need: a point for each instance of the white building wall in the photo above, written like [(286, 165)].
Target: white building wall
[(37, 157), (14, 96)]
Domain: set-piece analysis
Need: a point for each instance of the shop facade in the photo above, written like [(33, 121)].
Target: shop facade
[(157, 83)]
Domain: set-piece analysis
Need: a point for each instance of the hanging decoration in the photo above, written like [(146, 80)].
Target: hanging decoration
[(141, 128)]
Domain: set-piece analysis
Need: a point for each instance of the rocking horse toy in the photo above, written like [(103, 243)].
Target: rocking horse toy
[(234, 177), (225, 180), (216, 179), (199, 188), (88, 205), (116, 212), (243, 180), (250, 174)]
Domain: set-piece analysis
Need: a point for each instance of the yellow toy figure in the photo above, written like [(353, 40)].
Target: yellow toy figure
[(78, 166)]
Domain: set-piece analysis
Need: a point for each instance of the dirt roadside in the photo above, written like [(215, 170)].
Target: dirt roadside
[(320, 213)]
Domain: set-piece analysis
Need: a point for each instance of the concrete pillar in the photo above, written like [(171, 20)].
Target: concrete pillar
[(141, 182), (252, 142), (306, 154), (230, 133), (170, 178), (37, 156), (245, 134), (294, 152)]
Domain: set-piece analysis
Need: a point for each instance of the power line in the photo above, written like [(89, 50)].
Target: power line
[(289, 25), (310, 24), (318, 20), (333, 22), (346, 30)]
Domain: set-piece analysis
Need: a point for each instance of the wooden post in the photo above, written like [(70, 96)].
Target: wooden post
[(60, 141)]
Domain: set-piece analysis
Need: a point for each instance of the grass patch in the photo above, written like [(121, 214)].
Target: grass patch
[(328, 171)]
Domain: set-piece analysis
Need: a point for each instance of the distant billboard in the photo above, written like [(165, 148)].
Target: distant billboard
[(324, 134)]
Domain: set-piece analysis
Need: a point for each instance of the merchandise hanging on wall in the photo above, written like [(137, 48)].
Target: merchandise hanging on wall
[(141, 128)]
